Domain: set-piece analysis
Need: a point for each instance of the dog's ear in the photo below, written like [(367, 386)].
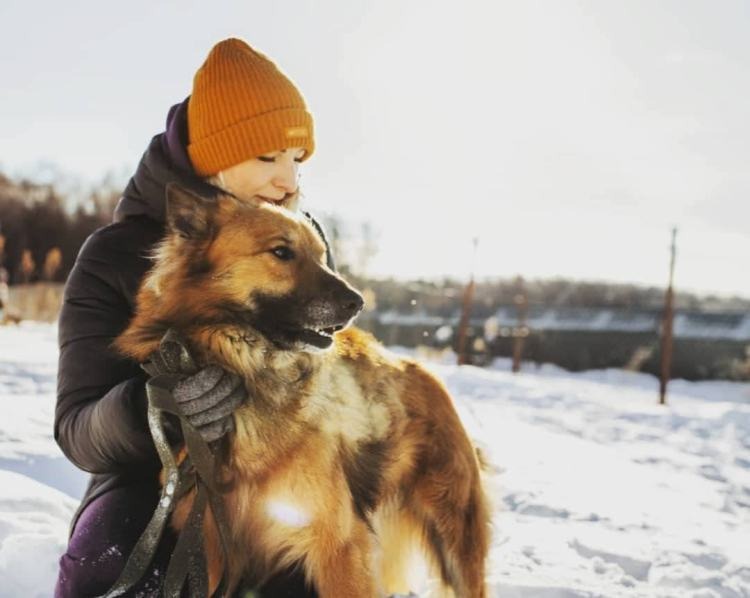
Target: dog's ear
[(189, 215)]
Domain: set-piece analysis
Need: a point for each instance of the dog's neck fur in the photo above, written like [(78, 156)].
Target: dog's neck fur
[(271, 375)]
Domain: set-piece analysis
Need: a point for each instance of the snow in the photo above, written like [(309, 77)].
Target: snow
[(38, 487), (598, 491)]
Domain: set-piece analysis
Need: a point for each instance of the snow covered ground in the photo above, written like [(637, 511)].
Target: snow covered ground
[(599, 491)]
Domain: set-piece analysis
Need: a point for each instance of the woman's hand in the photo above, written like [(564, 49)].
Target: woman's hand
[(208, 400), (206, 397)]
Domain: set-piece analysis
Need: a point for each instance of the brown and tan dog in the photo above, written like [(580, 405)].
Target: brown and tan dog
[(345, 455)]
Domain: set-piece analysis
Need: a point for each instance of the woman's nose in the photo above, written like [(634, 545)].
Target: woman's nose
[(286, 178)]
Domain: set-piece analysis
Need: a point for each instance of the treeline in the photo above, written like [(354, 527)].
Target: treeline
[(42, 228), (41, 232), (444, 298), (355, 244)]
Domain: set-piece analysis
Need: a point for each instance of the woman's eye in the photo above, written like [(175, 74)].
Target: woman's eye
[(283, 253), (267, 158)]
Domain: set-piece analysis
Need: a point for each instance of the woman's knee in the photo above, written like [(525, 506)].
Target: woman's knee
[(103, 537)]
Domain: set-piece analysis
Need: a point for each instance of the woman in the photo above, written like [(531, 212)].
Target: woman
[(243, 130)]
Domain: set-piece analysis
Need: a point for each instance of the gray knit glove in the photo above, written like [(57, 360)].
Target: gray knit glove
[(209, 399)]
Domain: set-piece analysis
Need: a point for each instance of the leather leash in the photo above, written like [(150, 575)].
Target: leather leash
[(188, 560)]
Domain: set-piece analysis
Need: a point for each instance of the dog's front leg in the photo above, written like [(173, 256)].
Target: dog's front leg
[(343, 570)]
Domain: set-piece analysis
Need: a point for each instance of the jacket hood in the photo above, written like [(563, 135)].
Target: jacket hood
[(164, 161)]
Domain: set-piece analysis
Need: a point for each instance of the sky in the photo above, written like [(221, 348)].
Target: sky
[(568, 137)]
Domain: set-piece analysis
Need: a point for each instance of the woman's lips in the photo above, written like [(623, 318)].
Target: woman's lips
[(271, 199)]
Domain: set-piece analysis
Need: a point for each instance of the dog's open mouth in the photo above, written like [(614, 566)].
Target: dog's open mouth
[(318, 337), (294, 336)]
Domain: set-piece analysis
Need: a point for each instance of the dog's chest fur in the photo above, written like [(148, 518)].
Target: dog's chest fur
[(311, 443), (293, 394)]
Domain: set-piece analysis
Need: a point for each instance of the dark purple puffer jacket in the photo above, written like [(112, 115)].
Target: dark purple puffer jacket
[(100, 417)]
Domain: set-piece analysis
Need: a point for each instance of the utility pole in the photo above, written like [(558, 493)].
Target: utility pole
[(521, 331), (666, 326), (463, 358)]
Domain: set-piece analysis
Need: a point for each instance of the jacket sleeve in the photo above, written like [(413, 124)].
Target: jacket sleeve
[(100, 415)]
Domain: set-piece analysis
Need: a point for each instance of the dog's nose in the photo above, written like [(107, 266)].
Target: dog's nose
[(352, 302)]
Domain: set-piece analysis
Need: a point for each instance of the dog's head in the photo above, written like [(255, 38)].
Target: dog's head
[(252, 266)]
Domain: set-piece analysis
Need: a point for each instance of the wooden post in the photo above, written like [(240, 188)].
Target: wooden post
[(521, 331), (27, 265), (2, 249), (463, 357), (52, 263), (666, 327)]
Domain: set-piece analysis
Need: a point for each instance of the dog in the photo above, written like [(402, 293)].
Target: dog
[(345, 456)]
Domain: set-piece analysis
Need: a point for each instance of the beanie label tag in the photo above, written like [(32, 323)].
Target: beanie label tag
[(296, 132)]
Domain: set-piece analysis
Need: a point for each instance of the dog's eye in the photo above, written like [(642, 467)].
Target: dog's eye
[(283, 253)]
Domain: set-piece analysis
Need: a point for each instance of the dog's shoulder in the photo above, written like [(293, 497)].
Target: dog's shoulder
[(355, 344)]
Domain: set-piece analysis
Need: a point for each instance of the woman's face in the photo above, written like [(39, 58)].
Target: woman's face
[(271, 177)]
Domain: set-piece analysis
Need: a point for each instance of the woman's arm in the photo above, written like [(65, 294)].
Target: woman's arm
[(100, 416)]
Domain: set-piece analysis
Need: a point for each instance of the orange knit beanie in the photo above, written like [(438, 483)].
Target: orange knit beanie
[(241, 107)]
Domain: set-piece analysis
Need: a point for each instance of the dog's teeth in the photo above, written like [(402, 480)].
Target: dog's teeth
[(322, 331)]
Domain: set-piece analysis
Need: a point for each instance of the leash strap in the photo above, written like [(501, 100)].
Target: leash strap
[(202, 459), (143, 553), (188, 558)]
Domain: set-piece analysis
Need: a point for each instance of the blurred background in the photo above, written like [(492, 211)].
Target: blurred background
[(515, 166)]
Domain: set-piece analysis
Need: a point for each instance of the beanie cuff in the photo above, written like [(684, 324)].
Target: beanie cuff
[(253, 137)]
